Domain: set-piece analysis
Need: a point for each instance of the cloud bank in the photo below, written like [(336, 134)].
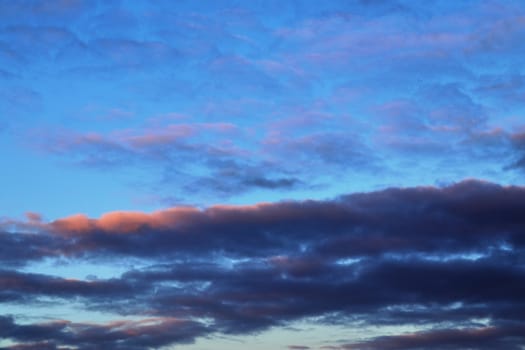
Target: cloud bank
[(448, 261)]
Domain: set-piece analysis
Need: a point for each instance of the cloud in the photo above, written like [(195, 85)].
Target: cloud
[(42, 12), (518, 141), (124, 335), (426, 257), (439, 117), (222, 63), (15, 100), (37, 42), (22, 287), (33, 217), (508, 88), (272, 183), (176, 151), (160, 144), (380, 216), (132, 53), (507, 337), (455, 218), (20, 248)]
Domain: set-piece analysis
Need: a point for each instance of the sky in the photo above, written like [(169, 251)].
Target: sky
[(292, 174)]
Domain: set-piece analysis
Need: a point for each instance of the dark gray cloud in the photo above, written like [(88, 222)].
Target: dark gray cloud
[(427, 257), (456, 219), (19, 248), (504, 337), (152, 333)]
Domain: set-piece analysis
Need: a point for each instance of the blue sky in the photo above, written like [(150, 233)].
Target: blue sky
[(120, 119)]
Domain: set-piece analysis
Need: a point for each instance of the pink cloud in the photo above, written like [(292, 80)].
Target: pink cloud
[(33, 217)]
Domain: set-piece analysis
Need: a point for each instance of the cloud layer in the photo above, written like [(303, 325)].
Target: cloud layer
[(448, 261), (217, 101)]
